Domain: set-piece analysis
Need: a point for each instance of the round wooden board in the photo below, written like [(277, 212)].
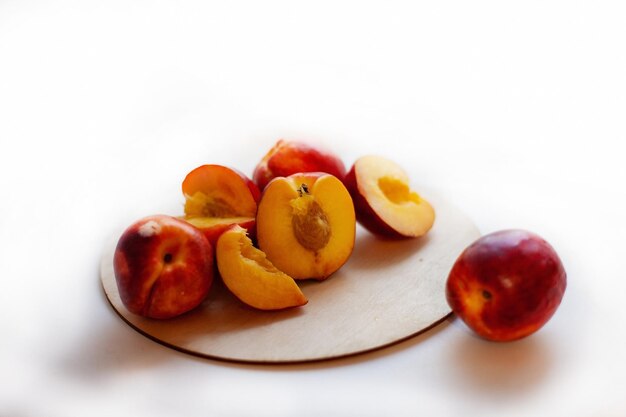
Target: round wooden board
[(388, 291)]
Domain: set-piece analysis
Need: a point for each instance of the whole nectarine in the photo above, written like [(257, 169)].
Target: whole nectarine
[(291, 157), (163, 267), (506, 285)]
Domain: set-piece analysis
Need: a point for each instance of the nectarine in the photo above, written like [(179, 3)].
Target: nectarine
[(506, 285), (163, 267), (306, 224), (291, 157), (251, 277), (217, 197), (384, 202)]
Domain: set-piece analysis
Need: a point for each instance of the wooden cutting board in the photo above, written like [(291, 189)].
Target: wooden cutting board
[(388, 291)]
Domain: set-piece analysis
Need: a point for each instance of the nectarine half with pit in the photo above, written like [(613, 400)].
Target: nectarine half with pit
[(217, 197), (251, 277), (384, 202), (306, 224), (289, 157), (163, 267)]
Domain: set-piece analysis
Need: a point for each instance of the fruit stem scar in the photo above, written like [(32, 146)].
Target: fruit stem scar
[(167, 258), (303, 190), (486, 295)]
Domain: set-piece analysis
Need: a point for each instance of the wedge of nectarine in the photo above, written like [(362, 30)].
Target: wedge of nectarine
[(306, 224), (217, 197), (251, 277), (384, 202)]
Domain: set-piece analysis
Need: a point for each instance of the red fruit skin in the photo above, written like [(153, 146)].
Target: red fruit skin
[(365, 215), (163, 267), (506, 285), (290, 157), (254, 189)]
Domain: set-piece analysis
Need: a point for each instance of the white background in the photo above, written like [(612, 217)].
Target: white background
[(514, 111)]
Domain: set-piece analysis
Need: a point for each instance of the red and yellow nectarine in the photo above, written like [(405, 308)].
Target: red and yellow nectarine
[(163, 267), (217, 197), (251, 277), (306, 224), (506, 285), (384, 202), (291, 157)]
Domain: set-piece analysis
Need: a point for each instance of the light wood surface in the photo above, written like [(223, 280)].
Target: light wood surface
[(388, 291)]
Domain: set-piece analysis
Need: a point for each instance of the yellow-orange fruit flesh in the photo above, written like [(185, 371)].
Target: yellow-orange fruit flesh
[(218, 191), (306, 225), (251, 277), (383, 198)]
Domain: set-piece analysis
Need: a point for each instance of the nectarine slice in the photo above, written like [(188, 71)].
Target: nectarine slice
[(306, 224), (384, 202), (251, 277), (217, 197), (219, 191)]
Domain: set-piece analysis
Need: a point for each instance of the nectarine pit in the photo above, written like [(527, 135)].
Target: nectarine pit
[(310, 224)]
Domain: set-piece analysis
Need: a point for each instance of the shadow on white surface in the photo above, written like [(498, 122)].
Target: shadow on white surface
[(110, 348), (502, 368)]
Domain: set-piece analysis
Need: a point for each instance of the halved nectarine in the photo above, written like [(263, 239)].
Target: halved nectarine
[(288, 157), (306, 224), (384, 202), (217, 197), (251, 277)]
